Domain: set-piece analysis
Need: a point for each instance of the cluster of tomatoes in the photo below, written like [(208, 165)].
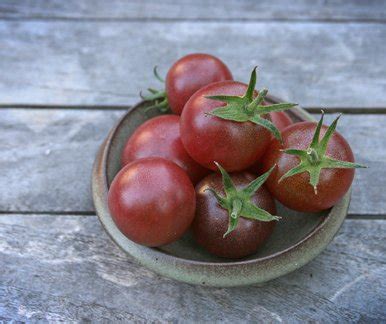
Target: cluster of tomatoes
[(218, 162)]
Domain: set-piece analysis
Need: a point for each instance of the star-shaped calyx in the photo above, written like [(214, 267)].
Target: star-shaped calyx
[(314, 158), (238, 201), (158, 96), (249, 108)]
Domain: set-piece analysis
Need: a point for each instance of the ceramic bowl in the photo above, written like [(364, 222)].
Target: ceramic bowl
[(297, 238)]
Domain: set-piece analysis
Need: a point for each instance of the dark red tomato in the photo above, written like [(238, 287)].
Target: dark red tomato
[(211, 220), (207, 138), (296, 192), (152, 201), (160, 137), (189, 74), (280, 119)]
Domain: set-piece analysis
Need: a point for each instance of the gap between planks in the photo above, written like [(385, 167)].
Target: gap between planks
[(199, 20)]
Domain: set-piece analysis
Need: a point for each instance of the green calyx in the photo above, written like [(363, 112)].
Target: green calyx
[(159, 97), (314, 158), (238, 202), (249, 107)]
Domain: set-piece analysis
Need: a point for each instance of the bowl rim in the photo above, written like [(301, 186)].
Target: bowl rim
[(144, 255)]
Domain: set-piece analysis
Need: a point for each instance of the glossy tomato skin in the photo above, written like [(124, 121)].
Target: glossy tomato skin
[(160, 137), (296, 192), (189, 74), (234, 145), (152, 201), (211, 221)]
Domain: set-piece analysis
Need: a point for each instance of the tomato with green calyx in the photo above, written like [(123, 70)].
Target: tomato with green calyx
[(152, 201), (187, 75), (160, 137), (312, 174), (234, 214), (226, 122)]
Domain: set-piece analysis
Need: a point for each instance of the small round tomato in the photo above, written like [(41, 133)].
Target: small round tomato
[(152, 201), (312, 174), (207, 138), (189, 74), (212, 220), (228, 122), (280, 119), (160, 137)]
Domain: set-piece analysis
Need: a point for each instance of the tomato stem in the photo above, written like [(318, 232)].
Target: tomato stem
[(251, 107), (237, 205), (313, 156)]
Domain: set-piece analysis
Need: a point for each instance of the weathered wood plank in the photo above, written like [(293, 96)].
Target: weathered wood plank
[(99, 63), (47, 155), (199, 9), (66, 268)]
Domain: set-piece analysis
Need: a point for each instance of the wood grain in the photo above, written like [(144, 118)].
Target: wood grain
[(47, 156), (108, 63), (60, 266), (66, 268), (199, 9)]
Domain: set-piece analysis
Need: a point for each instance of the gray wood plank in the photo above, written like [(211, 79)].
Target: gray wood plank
[(66, 268), (199, 9), (47, 155), (108, 63)]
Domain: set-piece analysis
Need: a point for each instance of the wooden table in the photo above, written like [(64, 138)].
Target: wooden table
[(68, 71)]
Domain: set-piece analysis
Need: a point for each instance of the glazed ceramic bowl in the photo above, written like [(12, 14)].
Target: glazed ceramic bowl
[(297, 238)]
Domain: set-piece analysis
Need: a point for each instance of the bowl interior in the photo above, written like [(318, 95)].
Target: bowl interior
[(291, 229)]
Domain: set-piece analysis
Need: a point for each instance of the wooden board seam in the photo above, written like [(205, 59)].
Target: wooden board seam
[(198, 20)]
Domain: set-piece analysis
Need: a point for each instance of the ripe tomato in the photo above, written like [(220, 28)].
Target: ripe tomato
[(208, 138), (211, 220), (228, 122), (311, 175), (187, 75), (152, 201), (160, 137)]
